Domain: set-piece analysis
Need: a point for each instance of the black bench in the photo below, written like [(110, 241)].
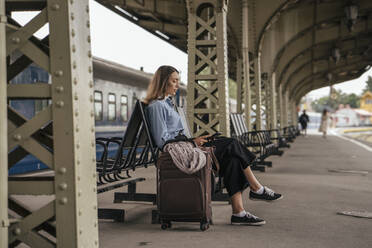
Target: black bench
[(134, 150), (276, 136), (259, 141), (290, 133)]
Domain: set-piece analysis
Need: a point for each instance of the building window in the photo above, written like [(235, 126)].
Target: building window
[(98, 106), (111, 107), (124, 107), (368, 101)]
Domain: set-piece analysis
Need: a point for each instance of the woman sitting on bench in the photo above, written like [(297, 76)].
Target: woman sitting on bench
[(233, 157)]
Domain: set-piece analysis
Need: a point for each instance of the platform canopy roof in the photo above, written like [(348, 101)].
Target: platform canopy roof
[(309, 44)]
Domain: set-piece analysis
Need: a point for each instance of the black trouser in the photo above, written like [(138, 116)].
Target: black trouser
[(233, 158)]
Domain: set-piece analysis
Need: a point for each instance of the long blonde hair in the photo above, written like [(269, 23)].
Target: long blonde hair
[(158, 85)]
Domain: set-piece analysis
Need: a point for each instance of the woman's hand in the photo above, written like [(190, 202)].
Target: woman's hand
[(199, 141)]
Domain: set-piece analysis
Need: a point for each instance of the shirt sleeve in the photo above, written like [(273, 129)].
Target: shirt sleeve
[(158, 126)]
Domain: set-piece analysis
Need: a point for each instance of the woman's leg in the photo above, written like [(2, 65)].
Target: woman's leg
[(237, 203), (253, 182)]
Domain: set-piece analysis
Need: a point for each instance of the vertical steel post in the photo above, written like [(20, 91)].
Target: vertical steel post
[(258, 102), (267, 102), (239, 84), (281, 105), (207, 66), (222, 68), (285, 108), (294, 112), (73, 124), (273, 110), (4, 223), (245, 50)]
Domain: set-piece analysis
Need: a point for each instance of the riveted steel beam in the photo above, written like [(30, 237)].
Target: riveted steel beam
[(258, 93), (273, 102), (285, 108), (281, 106), (294, 117), (34, 91), (164, 8), (25, 5), (246, 64), (175, 29), (239, 84), (207, 70), (67, 148), (73, 123), (4, 221)]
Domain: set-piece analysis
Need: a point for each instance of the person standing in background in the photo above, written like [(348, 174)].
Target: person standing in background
[(304, 119), (324, 123)]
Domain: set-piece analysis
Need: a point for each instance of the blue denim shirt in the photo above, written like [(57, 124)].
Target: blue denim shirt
[(165, 122)]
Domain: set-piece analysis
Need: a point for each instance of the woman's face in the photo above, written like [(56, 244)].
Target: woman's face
[(173, 84)]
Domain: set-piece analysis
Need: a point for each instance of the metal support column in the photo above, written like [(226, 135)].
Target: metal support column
[(239, 84), (273, 106), (73, 123), (246, 65), (258, 98), (281, 105), (4, 222), (285, 108), (267, 100), (207, 66), (294, 113), (62, 134)]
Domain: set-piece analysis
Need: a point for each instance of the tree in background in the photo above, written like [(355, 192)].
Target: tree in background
[(368, 87), (232, 89), (339, 98)]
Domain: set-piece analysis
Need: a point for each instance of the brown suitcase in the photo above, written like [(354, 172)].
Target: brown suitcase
[(182, 197)]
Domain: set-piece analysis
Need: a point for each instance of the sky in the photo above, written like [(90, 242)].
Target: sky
[(118, 40), (355, 86)]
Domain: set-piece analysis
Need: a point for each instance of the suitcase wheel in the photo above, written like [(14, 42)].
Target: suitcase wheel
[(165, 225), (204, 226)]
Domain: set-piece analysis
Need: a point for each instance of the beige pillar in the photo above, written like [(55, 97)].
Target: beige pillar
[(3, 133), (239, 85), (207, 66), (273, 107), (258, 102), (245, 49)]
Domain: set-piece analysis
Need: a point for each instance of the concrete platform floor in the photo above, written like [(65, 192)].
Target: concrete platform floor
[(306, 217)]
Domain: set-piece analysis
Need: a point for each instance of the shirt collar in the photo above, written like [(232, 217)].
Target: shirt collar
[(169, 100)]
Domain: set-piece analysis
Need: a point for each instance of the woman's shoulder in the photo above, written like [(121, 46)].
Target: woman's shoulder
[(156, 104)]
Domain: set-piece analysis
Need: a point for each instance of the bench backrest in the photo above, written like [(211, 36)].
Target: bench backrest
[(238, 124), (137, 147)]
